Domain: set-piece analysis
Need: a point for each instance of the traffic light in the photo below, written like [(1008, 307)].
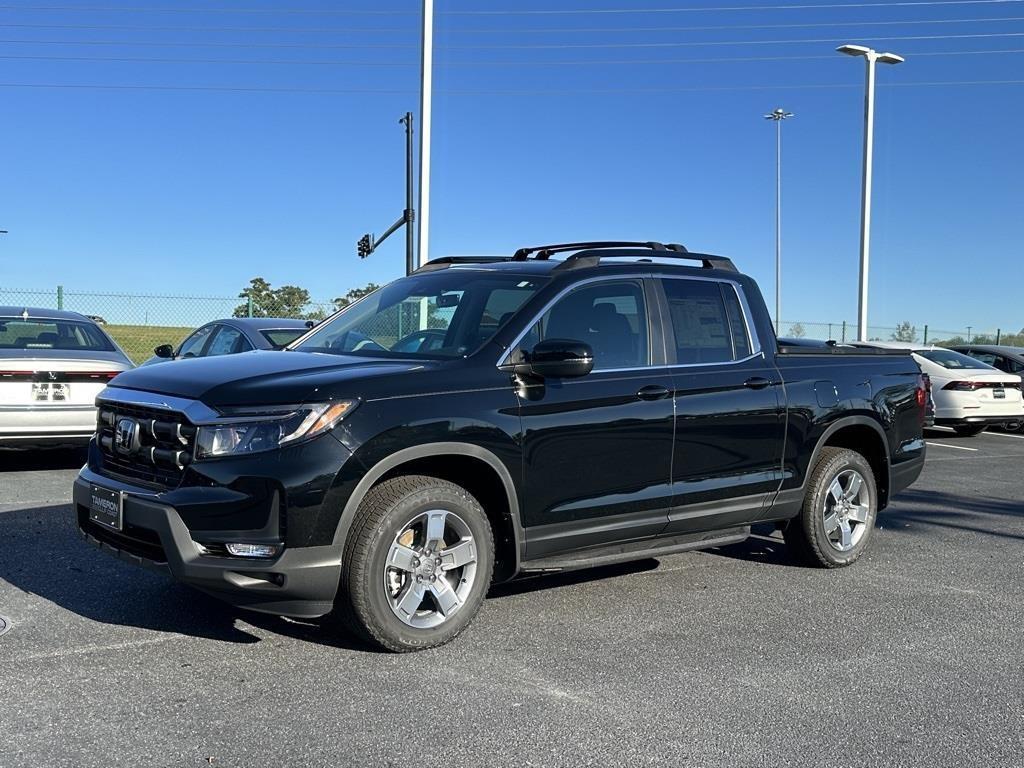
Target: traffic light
[(364, 247)]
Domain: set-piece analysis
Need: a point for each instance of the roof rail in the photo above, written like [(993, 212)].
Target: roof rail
[(590, 254), (545, 251), (447, 261)]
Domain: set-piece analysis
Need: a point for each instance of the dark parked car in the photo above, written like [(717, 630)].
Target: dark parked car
[(233, 335), (1008, 359), (626, 401)]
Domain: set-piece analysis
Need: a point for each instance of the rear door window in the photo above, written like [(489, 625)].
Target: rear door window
[(707, 321)]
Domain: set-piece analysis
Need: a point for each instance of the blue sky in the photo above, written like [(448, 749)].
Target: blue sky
[(198, 171)]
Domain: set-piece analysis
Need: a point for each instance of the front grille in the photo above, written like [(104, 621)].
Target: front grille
[(153, 452), (138, 541)]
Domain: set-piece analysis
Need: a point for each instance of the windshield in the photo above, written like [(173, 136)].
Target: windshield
[(449, 313), (947, 358), (42, 334)]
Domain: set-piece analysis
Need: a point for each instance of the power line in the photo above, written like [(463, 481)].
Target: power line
[(501, 12), (513, 46), (693, 43), (392, 64), (802, 7), (152, 28), (270, 11), (490, 92), (178, 44), (526, 30)]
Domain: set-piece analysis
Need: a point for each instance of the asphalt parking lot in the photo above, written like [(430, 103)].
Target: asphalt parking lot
[(734, 656)]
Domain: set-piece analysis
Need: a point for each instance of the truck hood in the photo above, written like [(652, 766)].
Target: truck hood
[(264, 377)]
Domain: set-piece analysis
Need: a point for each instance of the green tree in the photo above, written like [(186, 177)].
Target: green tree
[(354, 295), (286, 301), (904, 332), (796, 331)]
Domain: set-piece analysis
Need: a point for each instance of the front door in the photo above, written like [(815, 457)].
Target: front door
[(597, 449), (730, 421)]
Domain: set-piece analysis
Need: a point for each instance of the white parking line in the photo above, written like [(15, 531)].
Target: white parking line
[(958, 447), (1004, 434)]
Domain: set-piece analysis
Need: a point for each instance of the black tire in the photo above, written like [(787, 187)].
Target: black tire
[(806, 534), (969, 430), (363, 604)]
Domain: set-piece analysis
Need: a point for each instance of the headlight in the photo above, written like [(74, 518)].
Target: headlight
[(267, 431)]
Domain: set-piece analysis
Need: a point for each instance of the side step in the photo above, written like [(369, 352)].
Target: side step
[(635, 550)]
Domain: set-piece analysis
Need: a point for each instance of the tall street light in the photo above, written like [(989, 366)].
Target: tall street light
[(778, 115), (870, 57), (426, 121)]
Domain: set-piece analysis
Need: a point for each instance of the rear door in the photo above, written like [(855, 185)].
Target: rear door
[(597, 450), (730, 420)]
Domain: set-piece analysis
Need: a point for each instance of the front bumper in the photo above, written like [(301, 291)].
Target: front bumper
[(300, 582)]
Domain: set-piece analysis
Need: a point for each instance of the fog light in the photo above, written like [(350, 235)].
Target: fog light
[(253, 550)]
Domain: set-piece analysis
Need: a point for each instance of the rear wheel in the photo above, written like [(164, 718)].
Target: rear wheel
[(969, 430), (838, 513), (417, 564)]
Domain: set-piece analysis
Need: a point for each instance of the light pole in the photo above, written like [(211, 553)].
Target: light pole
[(870, 57), (426, 102), (778, 115)]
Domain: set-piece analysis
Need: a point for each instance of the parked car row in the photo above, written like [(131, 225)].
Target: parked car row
[(54, 363), (969, 394)]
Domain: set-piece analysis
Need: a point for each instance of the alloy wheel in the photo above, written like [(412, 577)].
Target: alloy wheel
[(846, 510), (430, 569)]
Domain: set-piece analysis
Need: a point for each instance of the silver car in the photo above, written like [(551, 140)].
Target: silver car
[(52, 366)]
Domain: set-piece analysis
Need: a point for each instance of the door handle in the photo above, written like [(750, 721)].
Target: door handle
[(653, 392), (757, 382)]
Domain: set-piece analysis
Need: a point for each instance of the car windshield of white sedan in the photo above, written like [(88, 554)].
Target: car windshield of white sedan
[(42, 334), (947, 358), (449, 313)]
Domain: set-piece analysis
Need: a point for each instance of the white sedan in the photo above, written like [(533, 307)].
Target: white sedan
[(52, 366), (968, 394)]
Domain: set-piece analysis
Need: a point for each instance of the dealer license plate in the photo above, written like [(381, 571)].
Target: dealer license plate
[(106, 507)]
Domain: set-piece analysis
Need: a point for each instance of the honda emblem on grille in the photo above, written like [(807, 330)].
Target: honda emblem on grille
[(126, 436)]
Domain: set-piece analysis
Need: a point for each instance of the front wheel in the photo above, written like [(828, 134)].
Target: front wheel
[(838, 513), (418, 562), (969, 430)]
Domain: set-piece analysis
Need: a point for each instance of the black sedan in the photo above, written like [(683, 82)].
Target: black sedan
[(233, 335)]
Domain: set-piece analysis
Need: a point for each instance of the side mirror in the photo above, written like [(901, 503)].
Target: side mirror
[(561, 359), (165, 351)]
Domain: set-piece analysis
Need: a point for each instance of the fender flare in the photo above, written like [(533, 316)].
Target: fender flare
[(850, 421), (429, 450)]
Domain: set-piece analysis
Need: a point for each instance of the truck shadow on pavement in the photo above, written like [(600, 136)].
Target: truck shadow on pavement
[(44, 555), (986, 515), (16, 460)]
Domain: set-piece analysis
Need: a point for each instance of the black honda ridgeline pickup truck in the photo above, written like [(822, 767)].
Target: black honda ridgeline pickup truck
[(487, 418)]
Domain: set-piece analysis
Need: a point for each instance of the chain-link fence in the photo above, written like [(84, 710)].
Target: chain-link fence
[(140, 322), (924, 333)]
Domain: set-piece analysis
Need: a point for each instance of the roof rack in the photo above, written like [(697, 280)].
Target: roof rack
[(590, 254)]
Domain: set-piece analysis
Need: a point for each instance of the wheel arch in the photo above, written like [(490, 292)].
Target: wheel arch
[(866, 437), (473, 467)]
